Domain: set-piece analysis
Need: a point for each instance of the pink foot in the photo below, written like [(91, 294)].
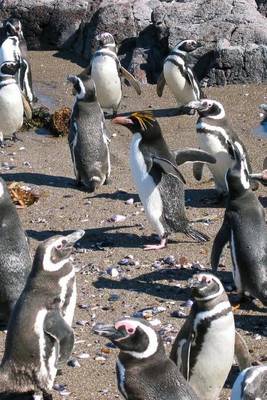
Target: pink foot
[(161, 245)]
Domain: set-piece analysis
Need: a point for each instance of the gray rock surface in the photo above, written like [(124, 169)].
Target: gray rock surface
[(233, 33)]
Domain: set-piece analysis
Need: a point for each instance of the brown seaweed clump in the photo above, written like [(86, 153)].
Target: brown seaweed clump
[(60, 121), (22, 196)]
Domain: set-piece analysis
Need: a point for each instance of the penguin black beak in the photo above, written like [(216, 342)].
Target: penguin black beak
[(109, 331), (74, 237)]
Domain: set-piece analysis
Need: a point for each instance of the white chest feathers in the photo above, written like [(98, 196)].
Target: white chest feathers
[(147, 189), (11, 109)]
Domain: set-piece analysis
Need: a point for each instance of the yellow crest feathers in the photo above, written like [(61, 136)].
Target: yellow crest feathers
[(144, 118)]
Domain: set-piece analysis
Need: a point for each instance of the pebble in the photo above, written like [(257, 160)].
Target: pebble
[(84, 306), (100, 358), (73, 362), (129, 201), (149, 312), (155, 322), (170, 260), (156, 264), (27, 164), (82, 322), (83, 356), (114, 297), (188, 303), (21, 148), (117, 218), (198, 266), (178, 314), (113, 272)]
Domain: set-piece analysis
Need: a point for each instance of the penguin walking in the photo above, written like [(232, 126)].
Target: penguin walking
[(11, 102), (143, 369), (159, 183), (251, 384), (244, 227), (178, 75), (39, 338), (15, 260), (106, 71), (88, 136), (204, 348), (11, 51), (216, 136)]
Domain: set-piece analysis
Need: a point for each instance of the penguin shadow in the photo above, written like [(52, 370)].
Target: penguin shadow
[(256, 324), (150, 283), (117, 195), (72, 57), (41, 179), (157, 113), (203, 198), (16, 396)]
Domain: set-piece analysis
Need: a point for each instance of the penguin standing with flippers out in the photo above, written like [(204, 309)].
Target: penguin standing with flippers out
[(39, 338), (178, 75), (143, 369), (12, 28), (88, 136), (106, 71), (251, 384), (204, 348), (216, 136), (159, 183), (244, 227), (15, 259)]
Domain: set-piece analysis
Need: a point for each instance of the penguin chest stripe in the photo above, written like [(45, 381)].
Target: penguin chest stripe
[(235, 269), (39, 330), (63, 283)]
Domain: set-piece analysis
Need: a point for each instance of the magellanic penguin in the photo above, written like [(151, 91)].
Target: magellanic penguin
[(15, 260), (143, 369), (178, 75), (244, 227), (13, 51), (204, 348), (159, 183), (11, 102), (251, 384), (88, 136), (39, 338), (216, 136), (106, 71)]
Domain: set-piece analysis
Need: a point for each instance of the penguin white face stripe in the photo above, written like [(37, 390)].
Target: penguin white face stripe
[(63, 283), (221, 115), (211, 313), (82, 93), (48, 265)]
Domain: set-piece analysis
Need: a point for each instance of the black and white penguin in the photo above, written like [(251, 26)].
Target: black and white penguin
[(159, 183), (106, 71), (178, 75), (216, 136), (11, 102), (204, 348), (244, 227), (39, 338), (251, 384), (88, 136), (15, 260), (143, 369), (14, 51)]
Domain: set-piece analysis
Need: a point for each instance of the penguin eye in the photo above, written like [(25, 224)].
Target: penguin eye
[(130, 330)]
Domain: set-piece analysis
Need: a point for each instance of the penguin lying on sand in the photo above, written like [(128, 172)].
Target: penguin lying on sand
[(159, 183), (106, 71), (244, 227), (216, 136), (39, 338), (12, 29), (143, 369), (204, 347), (15, 259), (251, 384), (178, 75), (88, 136)]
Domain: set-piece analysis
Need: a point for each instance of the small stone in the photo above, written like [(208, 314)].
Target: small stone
[(74, 363), (178, 314), (21, 148), (58, 387), (183, 260), (117, 218), (100, 358), (124, 261), (155, 322), (129, 201), (82, 322), (113, 272), (188, 303), (156, 264), (64, 392), (114, 297), (170, 260), (84, 306), (83, 356), (27, 164)]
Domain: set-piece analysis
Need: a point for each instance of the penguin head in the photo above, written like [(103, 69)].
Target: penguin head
[(54, 253), (83, 87), (142, 123), (13, 27), (106, 40), (9, 68), (205, 287), (187, 46), (208, 108), (132, 336), (237, 177)]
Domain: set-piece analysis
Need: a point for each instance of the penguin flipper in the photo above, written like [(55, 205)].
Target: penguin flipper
[(131, 79), (168, 167), (27, 107), (220, 241), (198, 170), (160, 84), (56, 327), (242, 354), (192, 155)]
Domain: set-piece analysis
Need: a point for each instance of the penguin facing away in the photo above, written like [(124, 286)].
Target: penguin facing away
[(143, 369), (216, 136), (39, 338), (88, 136), (106, 71), (13, 28), (15, 260), (159, 183), (251, 384), (204, 348), (244, 227), (178, 75)]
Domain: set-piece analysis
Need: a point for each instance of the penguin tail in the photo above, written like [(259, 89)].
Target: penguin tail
[(196, 235)]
